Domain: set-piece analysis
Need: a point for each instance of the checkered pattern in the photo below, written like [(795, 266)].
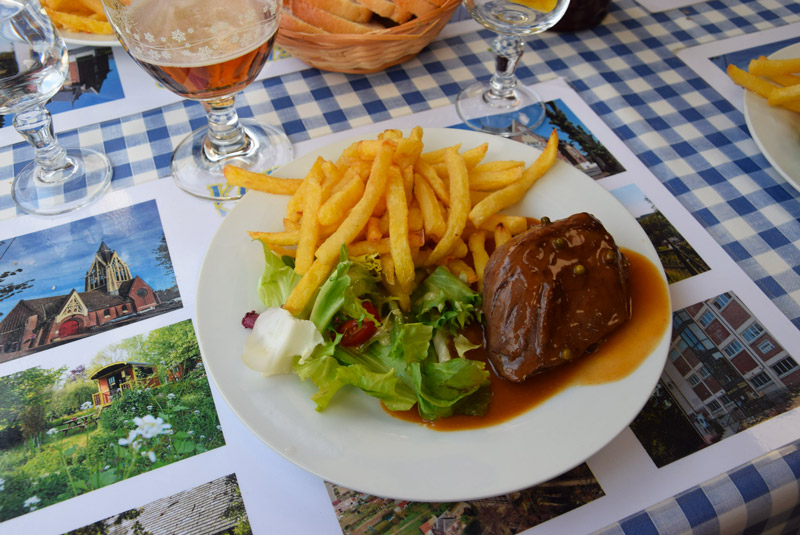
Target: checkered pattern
[(759, 497)]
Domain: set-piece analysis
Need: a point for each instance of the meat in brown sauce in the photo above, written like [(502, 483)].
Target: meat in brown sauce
[(552, 293)]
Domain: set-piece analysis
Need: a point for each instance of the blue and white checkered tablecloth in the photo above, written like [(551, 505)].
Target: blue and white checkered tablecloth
[(692, 139), (758, 498)]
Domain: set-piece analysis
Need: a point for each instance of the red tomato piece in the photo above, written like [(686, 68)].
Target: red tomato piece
[(352, 334)]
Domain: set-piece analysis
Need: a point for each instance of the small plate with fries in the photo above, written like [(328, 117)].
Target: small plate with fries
[(772, 108), (354, 442), (81, 22)]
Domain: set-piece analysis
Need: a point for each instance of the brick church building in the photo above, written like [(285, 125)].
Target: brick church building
[(111, 295)]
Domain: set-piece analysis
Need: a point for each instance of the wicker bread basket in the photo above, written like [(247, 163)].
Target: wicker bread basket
[(367, 52)]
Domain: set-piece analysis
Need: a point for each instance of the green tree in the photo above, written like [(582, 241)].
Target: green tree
[(25, 397), (174, 345)]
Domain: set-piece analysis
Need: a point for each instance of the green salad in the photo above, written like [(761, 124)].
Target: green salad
[(353, 333)]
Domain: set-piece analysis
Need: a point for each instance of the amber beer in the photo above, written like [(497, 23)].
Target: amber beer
[(212, 80), (199, 49)]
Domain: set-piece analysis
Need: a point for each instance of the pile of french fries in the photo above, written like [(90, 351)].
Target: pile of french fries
[(413, 208), (777, 80), (78, 15)]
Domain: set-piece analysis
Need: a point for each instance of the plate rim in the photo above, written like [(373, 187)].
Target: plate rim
[(653, 370), (750, 100)]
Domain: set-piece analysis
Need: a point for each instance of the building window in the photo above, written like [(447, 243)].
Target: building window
[(693, 380), (753, 331), (760, 380), (106, 313), (674, 354), (704, 372), (714, 405), (706, 318), (722, 300), (765, 347), (733, 348), (784, 366)]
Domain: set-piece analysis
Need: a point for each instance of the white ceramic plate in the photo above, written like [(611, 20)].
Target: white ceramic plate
[(776, 130), (87, 39), (354, 443)]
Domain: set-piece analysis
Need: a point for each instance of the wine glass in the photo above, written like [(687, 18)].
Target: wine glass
[(501, 105), (33, 66), (207, 50)]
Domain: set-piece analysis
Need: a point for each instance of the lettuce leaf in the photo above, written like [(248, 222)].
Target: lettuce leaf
[(443, 300), (277, 281)]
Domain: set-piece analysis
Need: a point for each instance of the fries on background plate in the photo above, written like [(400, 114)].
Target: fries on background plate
[(777, 80), (78, 16)]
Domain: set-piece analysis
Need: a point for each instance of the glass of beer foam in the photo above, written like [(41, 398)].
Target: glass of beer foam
[(207, 50)]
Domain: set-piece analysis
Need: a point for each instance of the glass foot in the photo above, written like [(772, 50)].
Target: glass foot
[(267, 147), (86, 177), (520, 111)]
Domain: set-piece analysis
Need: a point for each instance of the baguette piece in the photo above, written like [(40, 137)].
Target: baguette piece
[(328, 21), (292, 23), (388, 9), (347, 9), (417, 7)]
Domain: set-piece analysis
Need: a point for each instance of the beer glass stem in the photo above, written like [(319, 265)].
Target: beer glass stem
[(36, 125), (226, 136), (508, 50)]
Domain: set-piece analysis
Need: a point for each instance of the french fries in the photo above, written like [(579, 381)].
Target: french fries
[(387, 196), (774, 79), (78, 15)]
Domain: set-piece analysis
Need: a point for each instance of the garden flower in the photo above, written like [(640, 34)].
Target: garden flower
[(170, 396), (149, 426), (131, 437), (197, 412), (86, 405), (52, 431), (32, 503), (150, 455), (149, 407), (219, 428)]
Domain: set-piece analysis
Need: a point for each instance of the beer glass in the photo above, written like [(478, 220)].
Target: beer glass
[(501, 105), (207, 50), (33, 66)]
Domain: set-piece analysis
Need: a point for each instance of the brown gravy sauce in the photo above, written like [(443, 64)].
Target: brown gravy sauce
[(623, 352)]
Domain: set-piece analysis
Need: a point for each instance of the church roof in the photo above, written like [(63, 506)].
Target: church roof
[(104, 252)]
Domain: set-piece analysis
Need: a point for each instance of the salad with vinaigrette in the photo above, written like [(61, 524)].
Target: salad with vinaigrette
[(354, 333)]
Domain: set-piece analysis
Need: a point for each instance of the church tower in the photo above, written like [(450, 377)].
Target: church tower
[(107, 272)]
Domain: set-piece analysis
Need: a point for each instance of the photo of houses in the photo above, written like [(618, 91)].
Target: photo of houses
[(213, 508), (678, 257), (93, 79), (724, 373), (362, 514), (135, 406), (68, 282)]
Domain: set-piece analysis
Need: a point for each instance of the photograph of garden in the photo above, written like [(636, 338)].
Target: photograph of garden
[(678, 257), (137, 405)]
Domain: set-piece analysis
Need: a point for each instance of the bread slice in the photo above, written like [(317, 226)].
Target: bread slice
[(417, 7), (292, 23), (328, 21), (388, 9), (347, 9)]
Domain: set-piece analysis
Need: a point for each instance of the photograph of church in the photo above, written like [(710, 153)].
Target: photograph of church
[(121, 276)]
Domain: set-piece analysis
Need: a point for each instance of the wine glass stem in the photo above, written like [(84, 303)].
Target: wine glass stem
[(508, 49), (36, 125), (226, 136)]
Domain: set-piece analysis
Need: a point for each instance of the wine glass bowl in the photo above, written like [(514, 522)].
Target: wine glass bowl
[(207, 51), (501, 105), (34, 64)]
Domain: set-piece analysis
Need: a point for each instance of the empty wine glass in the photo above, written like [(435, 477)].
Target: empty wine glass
[(207, 50), (33, 66), (501, 105)]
